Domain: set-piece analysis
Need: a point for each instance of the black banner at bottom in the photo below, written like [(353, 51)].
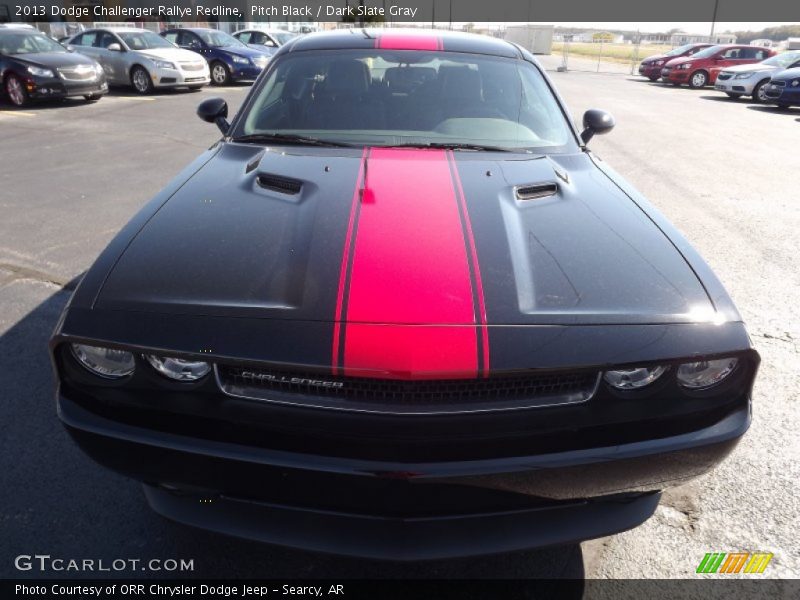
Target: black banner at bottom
[(706, 589)]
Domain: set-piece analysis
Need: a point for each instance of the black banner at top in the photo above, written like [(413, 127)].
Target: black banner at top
[(403, 11)]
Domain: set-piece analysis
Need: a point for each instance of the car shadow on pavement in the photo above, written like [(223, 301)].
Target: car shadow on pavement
[(773, 109), (57, 501)]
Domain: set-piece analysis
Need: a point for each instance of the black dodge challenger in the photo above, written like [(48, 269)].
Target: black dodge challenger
[(401, 311)]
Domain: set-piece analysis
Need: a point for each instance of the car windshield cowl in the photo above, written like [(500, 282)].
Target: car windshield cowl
[(458, 146), (288, 138)]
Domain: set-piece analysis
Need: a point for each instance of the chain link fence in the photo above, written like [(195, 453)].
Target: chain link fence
[(604, 55)]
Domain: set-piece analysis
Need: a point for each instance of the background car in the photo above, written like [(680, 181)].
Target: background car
[(784, 88), (267, 40), (228, 58), (750, 80), (702, 69), (652, 65), (34, 67), (141, 59)]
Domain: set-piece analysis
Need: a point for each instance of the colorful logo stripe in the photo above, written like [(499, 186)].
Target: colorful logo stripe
[(734, 562)]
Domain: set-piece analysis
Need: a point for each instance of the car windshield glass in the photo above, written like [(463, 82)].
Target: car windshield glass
[(708, 52), (406, 97), (783, 60), (283, 36), (28, 43), (218, 39), (680, 50), (144, 40)]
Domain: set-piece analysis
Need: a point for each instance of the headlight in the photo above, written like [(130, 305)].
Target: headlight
[(635, 378), (105, 362), (39, 72), (179, 369), (744, 75), (659, 63), (705, 373), (98, 68), (163, 64), (240, 60), (685, 66), (795, 82)]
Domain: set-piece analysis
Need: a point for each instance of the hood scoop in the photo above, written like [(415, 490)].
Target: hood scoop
[(278, 183), (536, 191)]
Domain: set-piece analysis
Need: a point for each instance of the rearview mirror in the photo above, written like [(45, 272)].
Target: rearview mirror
[(215, 110), (114, 47), (596, 122)]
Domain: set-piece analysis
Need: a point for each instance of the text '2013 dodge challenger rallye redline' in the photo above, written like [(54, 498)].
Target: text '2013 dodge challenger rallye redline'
[(401, 311)]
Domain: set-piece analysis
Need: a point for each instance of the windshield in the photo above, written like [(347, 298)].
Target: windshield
[(144, 40), (707, 52), (782, 60), (28, 43), (283, 36), (680, 50), (218, 39), (406, 97)]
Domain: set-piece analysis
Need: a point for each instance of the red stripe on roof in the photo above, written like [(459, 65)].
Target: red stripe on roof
[(390, 41)]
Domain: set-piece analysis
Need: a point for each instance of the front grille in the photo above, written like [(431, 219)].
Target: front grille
[(724, 76), (78, 73), (363, 394), (192, 66)]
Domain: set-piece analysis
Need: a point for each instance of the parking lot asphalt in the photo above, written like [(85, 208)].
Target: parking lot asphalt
[(725, 172)]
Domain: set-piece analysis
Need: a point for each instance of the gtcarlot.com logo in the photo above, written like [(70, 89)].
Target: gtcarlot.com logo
[(44, 563)]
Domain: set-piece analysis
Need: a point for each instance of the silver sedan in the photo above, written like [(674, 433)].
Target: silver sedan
[(142, 59), (751, 80)]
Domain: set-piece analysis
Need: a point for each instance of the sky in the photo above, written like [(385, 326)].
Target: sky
[(693, 27)]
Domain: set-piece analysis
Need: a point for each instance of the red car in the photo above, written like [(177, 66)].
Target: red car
[(652, 65), (702, 68)]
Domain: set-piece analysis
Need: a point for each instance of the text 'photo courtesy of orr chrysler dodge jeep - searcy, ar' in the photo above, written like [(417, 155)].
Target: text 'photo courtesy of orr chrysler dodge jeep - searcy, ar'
[(400, 310)]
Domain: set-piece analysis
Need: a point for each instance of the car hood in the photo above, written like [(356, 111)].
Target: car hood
[(424, 237), (55, 59), (245, 51), (680, 60), (787, 74), (751, 68), (173, 54), (654, 58)]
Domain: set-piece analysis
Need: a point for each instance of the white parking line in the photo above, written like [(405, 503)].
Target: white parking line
[(16, 113)]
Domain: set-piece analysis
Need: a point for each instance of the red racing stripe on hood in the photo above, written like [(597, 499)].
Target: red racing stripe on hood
[(410, 305), (393, 41)]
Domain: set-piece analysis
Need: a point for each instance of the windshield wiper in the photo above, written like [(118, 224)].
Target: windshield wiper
[(458, 146), (288, 138)]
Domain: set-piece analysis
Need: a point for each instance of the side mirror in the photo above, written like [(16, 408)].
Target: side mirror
[(215, 110), (596, 122), (114, 47)]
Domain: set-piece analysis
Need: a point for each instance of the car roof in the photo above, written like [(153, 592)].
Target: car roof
[(404, 39), (117, 29)]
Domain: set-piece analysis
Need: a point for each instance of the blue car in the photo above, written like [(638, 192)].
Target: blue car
[(784, 88), (228, 58)]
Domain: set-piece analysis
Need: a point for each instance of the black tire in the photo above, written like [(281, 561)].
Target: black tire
[(654, 79), (757, 92), (141, 81), (92, 97), (698, 79), (220, 75), (15, 91), (733, 95)]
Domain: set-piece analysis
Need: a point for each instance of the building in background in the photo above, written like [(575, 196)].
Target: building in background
[(538, 39)]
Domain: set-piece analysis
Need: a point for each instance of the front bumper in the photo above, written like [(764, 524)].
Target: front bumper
[(167, 78), (787, 95), (650, 71), (736, 86), (400, 509), (54, 88), (675, 75), (245, 72)]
